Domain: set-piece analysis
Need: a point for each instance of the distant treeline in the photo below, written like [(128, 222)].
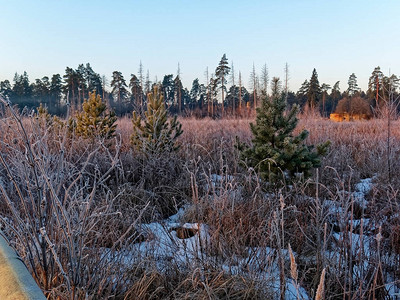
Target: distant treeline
[(203, 99)]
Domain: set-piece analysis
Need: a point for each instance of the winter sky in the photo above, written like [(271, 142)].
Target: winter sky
[(337, 37)]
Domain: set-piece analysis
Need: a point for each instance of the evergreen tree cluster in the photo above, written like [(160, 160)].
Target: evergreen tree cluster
[(222, 93)]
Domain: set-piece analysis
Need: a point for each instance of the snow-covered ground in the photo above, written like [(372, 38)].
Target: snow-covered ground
[(165, 245)]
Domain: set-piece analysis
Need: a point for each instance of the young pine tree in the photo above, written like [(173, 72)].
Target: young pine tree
[(276, 153), (155, 134), (94, 120)]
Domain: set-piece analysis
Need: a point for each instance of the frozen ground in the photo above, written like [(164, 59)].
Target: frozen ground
[(165, 246)]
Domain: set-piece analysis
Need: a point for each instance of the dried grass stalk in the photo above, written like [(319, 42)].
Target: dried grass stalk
[(293, 265), (320, 290)]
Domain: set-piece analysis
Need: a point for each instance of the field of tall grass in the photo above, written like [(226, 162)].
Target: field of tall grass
[(92, 218)]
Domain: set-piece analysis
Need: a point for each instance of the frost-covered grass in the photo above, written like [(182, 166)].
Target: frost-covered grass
[(98, 221)]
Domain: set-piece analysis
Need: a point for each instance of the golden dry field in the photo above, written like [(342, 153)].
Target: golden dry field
[(92, 218)]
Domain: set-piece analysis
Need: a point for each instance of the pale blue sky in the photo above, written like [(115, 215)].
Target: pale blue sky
[(337, 37)]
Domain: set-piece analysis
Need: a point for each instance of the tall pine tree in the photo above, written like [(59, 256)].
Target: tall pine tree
[(55, 91), (221, 72), (375, 85), (136, 92), (353, 86), (314, 91), (119, 89)]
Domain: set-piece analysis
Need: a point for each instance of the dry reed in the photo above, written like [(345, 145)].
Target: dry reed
[(84, 192)]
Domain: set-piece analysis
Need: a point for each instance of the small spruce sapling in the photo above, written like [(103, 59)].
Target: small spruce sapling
[(94, 120), (276, 153), (155, 134)]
